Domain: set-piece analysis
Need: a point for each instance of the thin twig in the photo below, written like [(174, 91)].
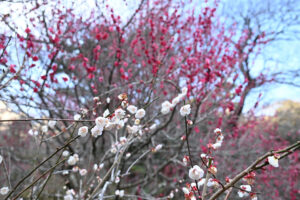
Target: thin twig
[(33, 170)]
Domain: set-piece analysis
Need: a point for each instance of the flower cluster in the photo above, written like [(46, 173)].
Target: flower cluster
[(167, 106), (219, 139)]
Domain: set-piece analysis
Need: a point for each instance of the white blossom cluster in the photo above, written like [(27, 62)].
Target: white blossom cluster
[(219, 139), (167, 106)]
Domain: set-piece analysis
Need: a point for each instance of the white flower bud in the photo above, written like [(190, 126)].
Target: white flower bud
[(77, 117), (95, 167), (132, 109), (152, 127), (106, 113)]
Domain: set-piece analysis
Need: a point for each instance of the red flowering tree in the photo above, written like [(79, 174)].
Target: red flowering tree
[(134, 107)]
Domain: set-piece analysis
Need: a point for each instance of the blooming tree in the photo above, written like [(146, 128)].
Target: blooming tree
[(147, 107)]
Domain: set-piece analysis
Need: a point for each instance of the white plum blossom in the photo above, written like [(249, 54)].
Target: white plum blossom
[(185, 110), (69, 195), (101, 166), (176, 100), (75, 169), (77, 117), (95, 167), (185, 160), (82, 172), (132, 109), (107, 100), (201, 182), (65, 172), (119, 123), (113, 149), (122, 97), (220, 138), (152, 127), (196, 172), (203, 155), (65, 153), (217, 145), (273, 160), (184, 90), (128, 155), (96, 131), (193, 185), (101, 121), (243, 193), (73, 159), (186, 190), (106, 113), (117, 180), (44, 129), (119, 113), (217, 131), (123, 140), (211, 182), (1, 159), (4, 190), (133, 129), (33, 132), (119, 193), (137, 121), (171, 195), (212, 169), (179, 98), (96, 99), (140, 113), (51, 123), (109, 126), (82, 131), (166, 107), (157, 148)]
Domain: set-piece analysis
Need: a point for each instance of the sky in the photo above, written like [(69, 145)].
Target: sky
[(280, 56)]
